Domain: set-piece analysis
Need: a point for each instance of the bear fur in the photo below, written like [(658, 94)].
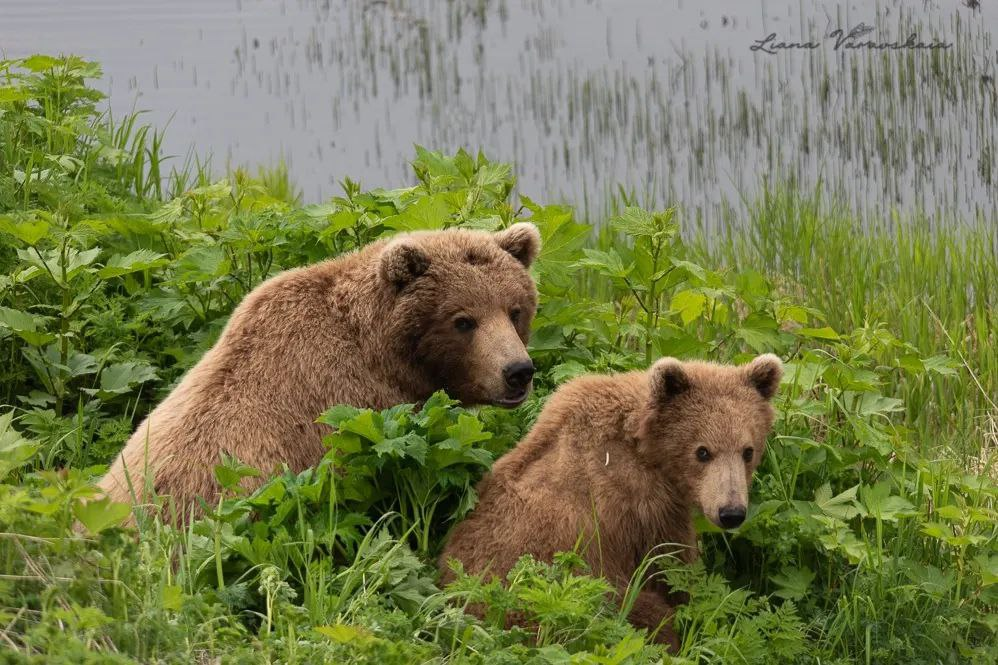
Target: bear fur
[(614, 466), (388, 324)]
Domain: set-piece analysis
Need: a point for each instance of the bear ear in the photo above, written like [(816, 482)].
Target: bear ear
[(402, 261), (668, 379), (764, 373), (522, 240)]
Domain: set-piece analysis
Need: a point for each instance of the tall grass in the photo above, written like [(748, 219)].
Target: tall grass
[(935, 287)]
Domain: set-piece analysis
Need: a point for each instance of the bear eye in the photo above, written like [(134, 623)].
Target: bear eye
[(465, 323), (747, 454), (703, 454), (514, 315)]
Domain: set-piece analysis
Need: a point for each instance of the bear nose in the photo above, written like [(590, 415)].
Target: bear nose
[(518, 375), (731, 516)]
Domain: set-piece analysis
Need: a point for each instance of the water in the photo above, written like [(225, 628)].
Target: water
[(663, 98)]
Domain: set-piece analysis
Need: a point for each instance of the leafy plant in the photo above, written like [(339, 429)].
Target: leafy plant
[(871, 535)]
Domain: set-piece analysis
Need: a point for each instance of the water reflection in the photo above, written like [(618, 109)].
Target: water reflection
[(664, 97)]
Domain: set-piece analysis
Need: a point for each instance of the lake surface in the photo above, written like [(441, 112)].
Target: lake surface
[(665, 99)]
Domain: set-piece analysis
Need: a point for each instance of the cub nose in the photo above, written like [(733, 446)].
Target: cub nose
[(518, 375), (731, 516)]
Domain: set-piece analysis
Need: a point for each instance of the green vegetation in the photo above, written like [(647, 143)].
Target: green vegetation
[(872, 535)]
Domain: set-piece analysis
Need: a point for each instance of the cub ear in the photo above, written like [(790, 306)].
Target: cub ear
[(764, 373), (402, 261), (522, 240), (668, 379)]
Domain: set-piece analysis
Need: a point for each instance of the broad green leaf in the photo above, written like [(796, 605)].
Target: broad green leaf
[(337, 414), (142, 259), (692, 268), (689, 304), (120, 378), (171, 597), (941, 365), (428, 212), (346, 634), (365, 425), (29, 232), (17, 320), (12, 93), (877, 501), (201, 264), (818, 333), (841, 506), (468, 431), (15, 450), (793, 583), (100, 514), (40, 63)]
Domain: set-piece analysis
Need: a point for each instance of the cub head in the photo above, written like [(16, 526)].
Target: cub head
[(462, 306), (706, 426)]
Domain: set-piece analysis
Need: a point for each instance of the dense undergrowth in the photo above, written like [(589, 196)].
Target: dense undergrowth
[(871, 537)]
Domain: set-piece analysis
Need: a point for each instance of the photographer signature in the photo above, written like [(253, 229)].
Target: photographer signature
[(852, 39)]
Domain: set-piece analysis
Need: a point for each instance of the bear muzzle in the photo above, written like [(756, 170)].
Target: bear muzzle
[(517, 377), (731, 517)]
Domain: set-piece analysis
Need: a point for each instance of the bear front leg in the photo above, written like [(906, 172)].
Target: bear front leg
[(651, 611)]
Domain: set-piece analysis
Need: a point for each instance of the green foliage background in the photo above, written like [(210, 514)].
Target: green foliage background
[(871, 535)]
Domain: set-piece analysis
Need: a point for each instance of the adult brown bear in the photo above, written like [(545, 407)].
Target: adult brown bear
[(390, 323)]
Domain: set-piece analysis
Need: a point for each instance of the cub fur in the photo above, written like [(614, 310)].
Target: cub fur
[(619, 464)]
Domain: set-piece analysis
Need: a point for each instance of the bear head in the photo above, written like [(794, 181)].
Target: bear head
[(705, 426), (463, 302)]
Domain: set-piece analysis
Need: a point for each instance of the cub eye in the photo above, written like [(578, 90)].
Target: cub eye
[(747, 454), (464, 323), (703, 454), (514, 315)]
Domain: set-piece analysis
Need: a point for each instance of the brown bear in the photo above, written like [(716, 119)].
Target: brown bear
[(617, 464), (388, 324)]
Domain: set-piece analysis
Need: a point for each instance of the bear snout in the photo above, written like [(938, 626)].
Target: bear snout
[(518, 375), (731, 517)]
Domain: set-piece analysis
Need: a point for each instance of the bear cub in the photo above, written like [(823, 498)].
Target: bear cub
[(617, 464)]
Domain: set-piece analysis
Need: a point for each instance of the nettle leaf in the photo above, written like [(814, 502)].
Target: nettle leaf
[(337, 414), (607, 263), (365, 424), (818, 333), (468, 431), (876, 501), (410, 445), (689, 305), (988, 566), (692, 268), (142, 259), (61, 267), (28, 232), (13, 93), (120, 378), (17, 320), (100, 514), (759, 339), (15, 450), (793, 583), (201, 264), (941, 365), (40, 63), (231, 472), (429, 212), (804, 375), (841, 506), (871, 403)]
